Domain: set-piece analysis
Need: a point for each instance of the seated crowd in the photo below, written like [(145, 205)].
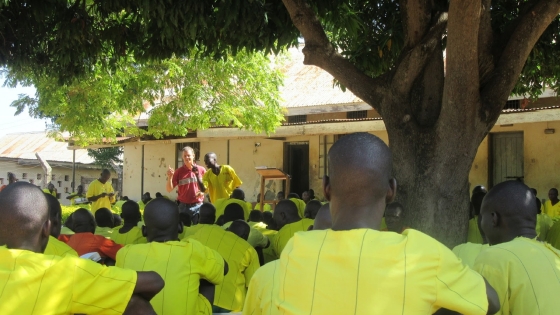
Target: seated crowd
[(353, 254)]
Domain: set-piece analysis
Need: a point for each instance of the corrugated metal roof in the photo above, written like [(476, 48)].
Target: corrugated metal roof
[(310, 85), (25, 145)]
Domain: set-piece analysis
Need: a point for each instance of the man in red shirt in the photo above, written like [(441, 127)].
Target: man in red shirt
[(188, 179)]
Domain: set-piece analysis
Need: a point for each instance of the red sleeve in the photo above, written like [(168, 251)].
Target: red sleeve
[(175, 180), (108, 247), (64, 238)]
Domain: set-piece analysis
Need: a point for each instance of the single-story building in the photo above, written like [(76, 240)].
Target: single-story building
[(17, 155), (523, 144)]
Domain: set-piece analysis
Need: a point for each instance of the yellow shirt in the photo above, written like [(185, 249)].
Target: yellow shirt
[(119, 204), (58, 248), (268, 253), (256, 238), (242, 261), (221, 185), (365, 271), (133, 236), (300, 206), (544, 223), (468, 252), (73, 197), (42, 284), (66, 230), (266, 207), (286, 232), (553, 235), (221, 204), (526, 275), (551, 210), (181, 265), (189, 230), (97, 188), (104, 231), (474, 235), (261, 287), (47, 191)]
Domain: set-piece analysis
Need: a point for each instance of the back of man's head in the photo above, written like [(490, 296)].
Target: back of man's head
[(233, 212), (104, 218), (256, 216), (311, 209), (161, 219), (55, 215), (286, 212), (508, 211), (159, 195), (83, 221), (24, 213), (293, 195), (238, 193), (207, 214), (359, 160), (131, 213), (476, 201), (269, 221), (240, 228)]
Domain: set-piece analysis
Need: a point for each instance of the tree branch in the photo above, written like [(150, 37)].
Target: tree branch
[(416, 18), (461, 88), (528, 31), (485, 42), (319, 52)]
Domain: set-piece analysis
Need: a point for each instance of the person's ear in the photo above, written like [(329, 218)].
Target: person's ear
[(44, 236), (327, 187), (496, 220), (392, 191), (144, 231)]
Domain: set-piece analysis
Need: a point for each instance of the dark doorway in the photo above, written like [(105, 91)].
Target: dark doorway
[(506, 158), (296, 164)]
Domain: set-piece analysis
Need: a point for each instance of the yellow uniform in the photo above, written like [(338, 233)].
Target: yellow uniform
[(256, 238), (242, 261), (73, 197), (53, 193), (58, 248), (119, 204), (553, 236), (474, 235), (526, 275), (96, 188), (266, 207), (468, 252), (286, 232), (552, 211), (544, 223), (42, 284), (66, 230), (365, 271), (221, 205), (300, 204), (261, 287), (189, 230), (133, 236), (221, 185), (258, 225), (104, 231), (181, 265)]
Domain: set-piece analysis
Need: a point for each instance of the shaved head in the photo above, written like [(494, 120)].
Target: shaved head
[(286, 212), (55, 215), (233, 211), (240, 228), (311, 209), (104, 218), (83, 221), (161, 218), (131, 212), (508, 211), (207, 214), (256, 216), (359, 160), (323, 219), (24, 213)]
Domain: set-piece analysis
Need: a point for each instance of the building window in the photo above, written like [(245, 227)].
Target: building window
[(31, 181), (39, 176), (66, 178), (59, 184), (53, 177), (66, 189), (356, 114), (297, 119), (1, 181), (179, 152), (24, 176), (513, 104)]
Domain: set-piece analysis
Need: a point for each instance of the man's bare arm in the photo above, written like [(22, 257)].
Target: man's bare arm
[(149, 284)]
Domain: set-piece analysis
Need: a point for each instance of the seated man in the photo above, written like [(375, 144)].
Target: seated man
[(354, 268), (311, 209), (129, 233), (523, 271), (240, 256), (239, 228), (54, 246), (84, 241), (183, 265), (300, 204), (288, 222), (394, 217), (266, 206), (238, 197), (469, 251), (235, 212), (33, 283), (105, 222), (206, 217)]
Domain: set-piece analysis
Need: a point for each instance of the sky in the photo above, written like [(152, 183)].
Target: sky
[(21, 123)]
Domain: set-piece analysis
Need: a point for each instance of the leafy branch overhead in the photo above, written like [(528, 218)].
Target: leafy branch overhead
[(169, 96)]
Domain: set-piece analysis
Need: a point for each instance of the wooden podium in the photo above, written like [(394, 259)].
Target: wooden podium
[(272, 173)]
